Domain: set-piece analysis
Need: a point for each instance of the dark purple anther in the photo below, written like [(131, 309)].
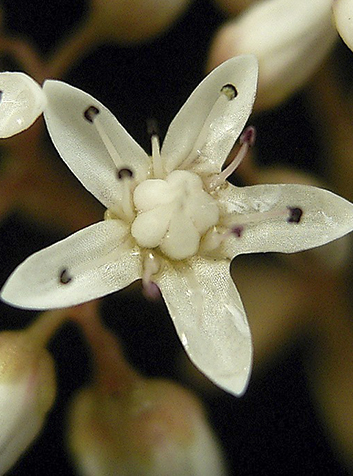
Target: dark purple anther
[(64, 277), (1, 93), (295, 214), (248, 136), (151, 291), (124, 173), (90, 113), (152, 127), (238, 230), (230, 91)]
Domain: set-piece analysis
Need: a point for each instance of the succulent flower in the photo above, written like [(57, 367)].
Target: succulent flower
[(173, 220), (21, 102)]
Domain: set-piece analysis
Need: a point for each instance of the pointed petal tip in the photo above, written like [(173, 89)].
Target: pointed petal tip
[(235, 384)]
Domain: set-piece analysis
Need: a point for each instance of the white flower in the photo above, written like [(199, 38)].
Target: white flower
[(173, 219), (343, 14), (21, 102), (289, 38)]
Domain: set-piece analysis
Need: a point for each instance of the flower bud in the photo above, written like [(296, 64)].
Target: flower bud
[(22, 101), (343, 15), (27, 392), (289, 38), (233, 7), (155, 428), (134, 20)]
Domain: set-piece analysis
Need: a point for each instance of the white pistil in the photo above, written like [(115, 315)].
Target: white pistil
[(158, 169), (151, 266), (246, 140)]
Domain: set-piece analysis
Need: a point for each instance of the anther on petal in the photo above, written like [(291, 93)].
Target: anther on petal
[(230, 91), (124, 173), (90, 113), (238, 230), (248, 136), (64, 276), (295, 214)]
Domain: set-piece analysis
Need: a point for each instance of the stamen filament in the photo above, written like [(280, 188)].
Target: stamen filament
[(246, 140), (158, 169), (292, 214), (216, 111), (126, 199), (151, 266), (108, 144)]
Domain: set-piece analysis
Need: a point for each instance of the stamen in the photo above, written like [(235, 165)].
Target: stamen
[(1, 93), (291, 214), (124, 173), (126, 176), (295, 215), (64, 277), (230, 91), (158, 169), (237, 230), (91, 115), (151, 266), (247, 140), (227, 93)]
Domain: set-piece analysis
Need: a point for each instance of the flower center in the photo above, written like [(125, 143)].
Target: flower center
[(173, 214)]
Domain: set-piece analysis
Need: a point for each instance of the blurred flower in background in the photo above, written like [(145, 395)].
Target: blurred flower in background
[(143, 62)]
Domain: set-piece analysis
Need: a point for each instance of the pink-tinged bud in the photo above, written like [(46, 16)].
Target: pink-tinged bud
[(27, 392), (289, 38), (343, 15), (156, 428)]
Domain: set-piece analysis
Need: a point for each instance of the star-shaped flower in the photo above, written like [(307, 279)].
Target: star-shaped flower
[(172, 219)]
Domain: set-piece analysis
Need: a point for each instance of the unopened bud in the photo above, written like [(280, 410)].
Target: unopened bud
[(289, 38), (156, 428), (27, 392), (343, 15), (22, 101)]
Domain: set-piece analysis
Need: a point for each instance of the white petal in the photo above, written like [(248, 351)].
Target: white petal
[(343, 14), (204, 132), (98, 259), (22, 101), (210, 320), (81, 147), (325, 217)]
